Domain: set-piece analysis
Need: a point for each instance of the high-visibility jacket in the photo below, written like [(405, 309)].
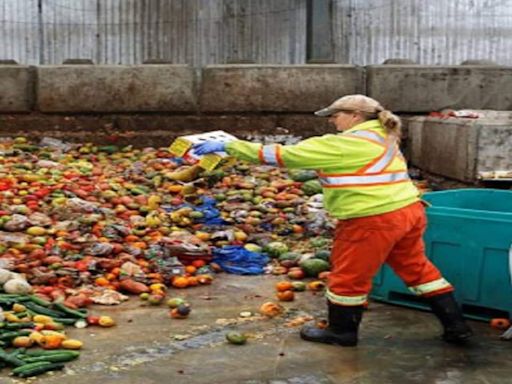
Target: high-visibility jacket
[(362, 172)]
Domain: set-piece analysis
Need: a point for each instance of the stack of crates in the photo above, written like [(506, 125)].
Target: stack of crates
[(469, 238)]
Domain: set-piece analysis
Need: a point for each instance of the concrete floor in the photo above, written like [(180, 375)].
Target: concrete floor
[(398, 345)]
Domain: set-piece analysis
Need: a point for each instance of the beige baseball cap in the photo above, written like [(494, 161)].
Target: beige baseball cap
[(360, 103)]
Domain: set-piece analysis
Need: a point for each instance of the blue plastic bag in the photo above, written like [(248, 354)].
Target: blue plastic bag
[(207, 208), (238, 260), (211, 214)]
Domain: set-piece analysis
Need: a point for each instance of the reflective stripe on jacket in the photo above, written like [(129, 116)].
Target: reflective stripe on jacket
[(374, 172), (361, 170)]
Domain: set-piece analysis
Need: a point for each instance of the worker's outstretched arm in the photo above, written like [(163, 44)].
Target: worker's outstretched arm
[(313, 153)]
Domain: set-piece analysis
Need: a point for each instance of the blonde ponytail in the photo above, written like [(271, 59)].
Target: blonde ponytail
[(391, 123)]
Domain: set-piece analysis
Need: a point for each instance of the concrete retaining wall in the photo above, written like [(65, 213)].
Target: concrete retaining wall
[(249, 88), (16, 88), (246, 88), (90, 88), (416, 88)]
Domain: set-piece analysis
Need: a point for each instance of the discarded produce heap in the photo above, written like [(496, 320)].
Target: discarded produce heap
[(79, 219)]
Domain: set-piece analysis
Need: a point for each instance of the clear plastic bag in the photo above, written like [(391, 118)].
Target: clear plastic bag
[(100, 249), (78, 205), (17, 223)]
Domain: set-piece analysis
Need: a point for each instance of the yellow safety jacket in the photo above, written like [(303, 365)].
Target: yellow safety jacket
[(362, 172)]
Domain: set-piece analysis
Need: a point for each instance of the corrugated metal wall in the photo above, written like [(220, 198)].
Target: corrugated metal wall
[(19, 31), (202, 32), (426, 31)]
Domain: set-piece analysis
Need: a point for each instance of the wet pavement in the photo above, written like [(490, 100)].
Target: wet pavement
[(397, 345)]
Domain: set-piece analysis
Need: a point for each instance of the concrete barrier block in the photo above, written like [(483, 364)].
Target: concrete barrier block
[(411, 139), (448, 148), (16, 85), (494, 146), (461, 148), (268, 88), (417, 88), (91, 88)]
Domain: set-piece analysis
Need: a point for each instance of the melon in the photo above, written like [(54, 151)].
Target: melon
[(312, 267)]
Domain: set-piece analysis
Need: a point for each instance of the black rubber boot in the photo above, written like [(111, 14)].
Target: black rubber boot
[(342, 328), (449, 314)]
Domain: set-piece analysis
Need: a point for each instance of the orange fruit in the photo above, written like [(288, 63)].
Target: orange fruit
[(297, 228), (180, 282), (102, 281), (270, 309), (190, 269), (192, 281), (286, 296), (204, 236), (177, 188), (110, 276), (500, 323), (140, 245), (284, 286), (131, 238)]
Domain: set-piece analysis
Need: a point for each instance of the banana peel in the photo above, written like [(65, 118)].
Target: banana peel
[(185, 174), (153, 220)]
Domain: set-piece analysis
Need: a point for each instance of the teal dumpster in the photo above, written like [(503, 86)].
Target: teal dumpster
[(469, 238)]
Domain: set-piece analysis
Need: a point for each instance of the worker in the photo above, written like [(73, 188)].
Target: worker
[(381, 218)]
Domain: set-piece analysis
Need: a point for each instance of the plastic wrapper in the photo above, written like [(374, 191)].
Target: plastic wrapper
[(40, 219), (131, 269), (78, 205), (108, 297), (13, 238), (169, 267), (56, 144), (100, 249), (17, 223)]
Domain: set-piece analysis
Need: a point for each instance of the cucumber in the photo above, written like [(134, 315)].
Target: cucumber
[(55, 358), (26, 367), (10, 295), (39, 301), (65, 321), (21, 315), (10, 360), (41, 369), (43, 310), (18, 352), (61, 307), (21, 299), (12, 326), (44, 352), (6, 336)]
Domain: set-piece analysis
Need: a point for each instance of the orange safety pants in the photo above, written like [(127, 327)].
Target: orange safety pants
[(362, 245)]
